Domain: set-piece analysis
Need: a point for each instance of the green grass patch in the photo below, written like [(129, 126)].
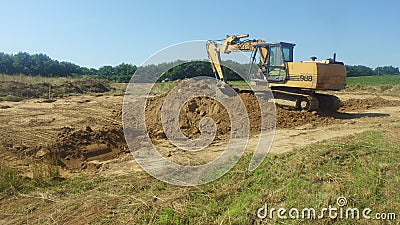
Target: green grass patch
[(363, 168), (10, 180), (240, 84), (373, 80), (163, 87)]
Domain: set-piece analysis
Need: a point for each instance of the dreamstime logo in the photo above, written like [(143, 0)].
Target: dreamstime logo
[(341, 212), (341, 201), (137, 98)]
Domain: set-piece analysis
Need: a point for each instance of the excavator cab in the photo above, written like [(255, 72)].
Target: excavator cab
[(273, 60)]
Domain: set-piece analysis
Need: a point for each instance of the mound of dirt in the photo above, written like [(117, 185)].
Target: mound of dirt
[(189, 118), (74, 148), (383, 89), (369, 103), (286, 117), (200, 107), (84, 86), (358, 87), (291, 118)]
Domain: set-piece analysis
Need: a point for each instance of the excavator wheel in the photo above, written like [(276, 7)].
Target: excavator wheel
[(307, 103)]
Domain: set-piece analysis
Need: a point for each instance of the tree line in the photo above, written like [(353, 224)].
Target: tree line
[(360, 70), (43, 65)]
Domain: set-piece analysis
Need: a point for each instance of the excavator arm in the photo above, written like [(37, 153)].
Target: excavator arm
[(231, 44), (215, 60)]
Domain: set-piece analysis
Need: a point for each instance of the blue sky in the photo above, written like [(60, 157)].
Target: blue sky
[(96, 33)]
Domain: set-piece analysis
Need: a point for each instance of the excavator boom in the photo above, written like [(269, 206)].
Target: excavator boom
[(231, 44)]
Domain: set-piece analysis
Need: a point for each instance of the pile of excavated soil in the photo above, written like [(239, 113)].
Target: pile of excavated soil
[(368, 103), (74, 148), (198, 108), (291, 119)]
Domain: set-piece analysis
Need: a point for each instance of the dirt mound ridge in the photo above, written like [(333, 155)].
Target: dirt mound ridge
[(198, 108), (368, 103), (17, 91), (291, 118), (389, 89), (74, 148)]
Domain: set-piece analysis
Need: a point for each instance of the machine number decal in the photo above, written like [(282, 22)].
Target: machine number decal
[(306, 78)]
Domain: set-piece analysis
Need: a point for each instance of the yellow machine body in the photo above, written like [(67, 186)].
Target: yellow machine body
[(289, 80)]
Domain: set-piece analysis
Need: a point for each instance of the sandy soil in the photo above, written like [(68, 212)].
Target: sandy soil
[(84, 133)]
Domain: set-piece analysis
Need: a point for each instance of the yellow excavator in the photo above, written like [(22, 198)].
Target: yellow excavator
[(288, 80)]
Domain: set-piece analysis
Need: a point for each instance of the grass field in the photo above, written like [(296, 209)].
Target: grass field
[(374, 80), (36, 79), (362, 168), (19, 87)]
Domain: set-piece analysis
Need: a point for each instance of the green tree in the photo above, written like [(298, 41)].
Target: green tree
[(359, 70), (386, 70), (6, 64)]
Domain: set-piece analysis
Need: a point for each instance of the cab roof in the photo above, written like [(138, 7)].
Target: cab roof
[(276, 44)]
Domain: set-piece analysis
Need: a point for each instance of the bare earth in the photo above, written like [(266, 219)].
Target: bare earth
[(89, 130)]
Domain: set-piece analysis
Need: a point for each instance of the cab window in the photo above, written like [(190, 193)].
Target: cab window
[(276, 56), (287, 54)]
